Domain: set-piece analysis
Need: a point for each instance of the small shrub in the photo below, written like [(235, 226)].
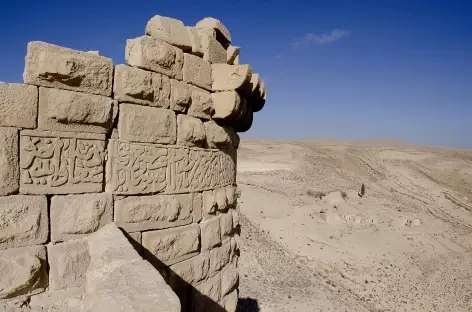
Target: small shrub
[(343, 195)]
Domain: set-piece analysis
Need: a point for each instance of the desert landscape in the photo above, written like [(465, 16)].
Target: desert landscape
[(310, 242)]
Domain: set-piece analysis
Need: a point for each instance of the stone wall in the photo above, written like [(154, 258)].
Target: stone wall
[(150, 145)]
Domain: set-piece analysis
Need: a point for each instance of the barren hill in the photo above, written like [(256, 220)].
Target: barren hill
[(311, 243)]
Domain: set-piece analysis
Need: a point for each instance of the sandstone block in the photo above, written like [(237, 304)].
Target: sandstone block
[(147, 124), (197, 71), (220, 256), (153, 54), (23, 221), (169, 30), (226, 224), (134, 85), (221, 199), (61, 162), (232, 53), (75, 216), (19, 105), (197, 207), (229, 278), (22, 271), (190, 271), (230, 301), (48, 65), (236, 60), (195, 41), (68, 263), (167, 247), (63, 110), (213, 51), (180, 96), (207, 294), (66, 300), (231, 77), (226, 105), (141, 213), (210, 231), (222, 33), (190, 131), (9, 171), (209, 203), (201, 105), (231, 195), (218, 136), (235, 243)]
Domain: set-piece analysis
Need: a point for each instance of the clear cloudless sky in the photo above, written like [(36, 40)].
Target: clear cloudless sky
[(334, 69)]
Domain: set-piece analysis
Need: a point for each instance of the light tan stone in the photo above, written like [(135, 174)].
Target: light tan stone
[(147, 124), (210, 231), (195, 41), (190, 271), (230, 301), (190, 131), (135, 238), (134, 85), (169, 30), (209, 203), (64, 300), (213, 51), (236, 60), (153, 54), (54, 162), (222, 33), (75, 216), (9, 171), (221, 199), (197, 71), (48, 65), (23, 221), (218, 136), (197, 207), (141, 213), (170, 246), (68, 263), (64, 110), (232, 53), (226, 224), (220, 256), (229, 278), (235, 213), (19, 105), (201, 105), (226, 105), (180, 96), (231, 195), (231, 77), (207, 294)]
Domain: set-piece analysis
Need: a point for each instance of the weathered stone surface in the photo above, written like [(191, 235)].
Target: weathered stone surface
[(134, 85), (9, 172), (136, 168), (218, 136), (226, 224), (213, 51), (141, 213), (135, 238), (230, 301), (197, 207), (190, 271), (147, 124), (231, 77), (231, 195), (48, 65), (180, 96), (201, 105), (229, 278), (153, 54), (221, 199), (207, 294), (220, 256), (19, 105), (236, 60), (232, 53), (64, 300), (190, 131), (209, 203), (22, 271), (166, 247), (68, 263), (63, 110), (23, 221), (210, 231), (235, 213), (197, 71), (195, 41), (61, 162), (226, 105), (75, 216), (169, 30), (222, 33)]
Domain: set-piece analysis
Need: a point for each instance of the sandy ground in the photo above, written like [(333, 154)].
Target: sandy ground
[(404, 246)]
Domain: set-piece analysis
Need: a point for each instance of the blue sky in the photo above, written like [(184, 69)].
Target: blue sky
[(334, 69)]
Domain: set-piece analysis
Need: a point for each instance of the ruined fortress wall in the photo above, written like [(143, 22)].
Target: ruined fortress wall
[(150, 145)]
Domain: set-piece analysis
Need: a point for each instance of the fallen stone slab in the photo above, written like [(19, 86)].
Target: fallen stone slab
[(18, 105), (170, 30)]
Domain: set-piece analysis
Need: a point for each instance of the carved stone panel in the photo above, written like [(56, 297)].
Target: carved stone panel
[(141, 168), (61, 162)]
